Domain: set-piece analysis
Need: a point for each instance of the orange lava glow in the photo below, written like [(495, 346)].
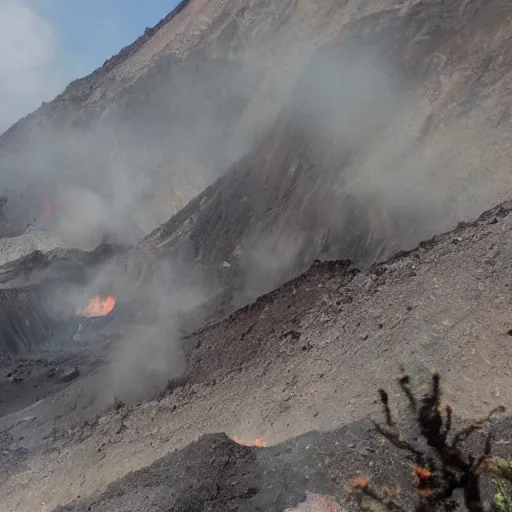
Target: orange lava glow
[(257, 442), (360, 482), (98, 306), (421, 473)]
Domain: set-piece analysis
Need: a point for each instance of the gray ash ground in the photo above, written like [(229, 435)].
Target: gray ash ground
[(310, 355), (30, 379), (23, 243), (214, 474), (41, 353), (307, 357)]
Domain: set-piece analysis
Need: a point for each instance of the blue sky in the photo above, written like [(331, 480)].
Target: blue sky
[(91, 31), (45, 44)]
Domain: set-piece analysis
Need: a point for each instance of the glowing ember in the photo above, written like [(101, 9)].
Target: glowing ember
[(98, 306), (421, 473), (359, 482), (257, 442)]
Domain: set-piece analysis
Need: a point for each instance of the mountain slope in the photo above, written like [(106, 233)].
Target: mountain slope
[(224, 476), (310, 355), (210, 87), (152, 126), (324, 129), (392, 133)]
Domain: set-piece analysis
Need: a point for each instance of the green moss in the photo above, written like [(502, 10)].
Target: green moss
[(503, 497)]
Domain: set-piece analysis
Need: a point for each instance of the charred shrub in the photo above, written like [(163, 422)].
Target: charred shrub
[(442, 469)]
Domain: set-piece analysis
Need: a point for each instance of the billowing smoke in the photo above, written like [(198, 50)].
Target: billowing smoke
[(316, 158), (32, 69), (310, 200), (151, 353), (359, 174), (121, 166), (116, 168)]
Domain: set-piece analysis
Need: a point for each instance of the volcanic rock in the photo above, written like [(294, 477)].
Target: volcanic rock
[(268, 387), (279, 134), (28, 290), (214, 474), (33, 239), (332, 130), (317, 185), (68, 374)]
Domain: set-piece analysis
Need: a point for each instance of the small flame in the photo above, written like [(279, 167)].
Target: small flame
[(360, 482), (257, 442), (98, 306), (421, 473)]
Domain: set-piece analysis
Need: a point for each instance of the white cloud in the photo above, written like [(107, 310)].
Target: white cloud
[(31, 68)]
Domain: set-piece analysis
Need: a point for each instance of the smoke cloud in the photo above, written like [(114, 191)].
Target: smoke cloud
[(329, 159), (151, 352), (119, 170), (31, 61)]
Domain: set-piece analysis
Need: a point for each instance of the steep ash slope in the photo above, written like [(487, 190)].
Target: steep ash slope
[(392, 133), (138, 138), (420, 106), (407, 132), (307, 356)]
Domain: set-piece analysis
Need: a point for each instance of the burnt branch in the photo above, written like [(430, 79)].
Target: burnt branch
[(448, 423), (387, 411), (438, 476), (396, 439), (404, 382), (478, 425)]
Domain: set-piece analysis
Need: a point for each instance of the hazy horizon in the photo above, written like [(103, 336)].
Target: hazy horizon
[(46, 44)]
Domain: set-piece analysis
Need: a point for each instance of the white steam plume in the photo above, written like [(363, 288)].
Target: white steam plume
[(31, 69)]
